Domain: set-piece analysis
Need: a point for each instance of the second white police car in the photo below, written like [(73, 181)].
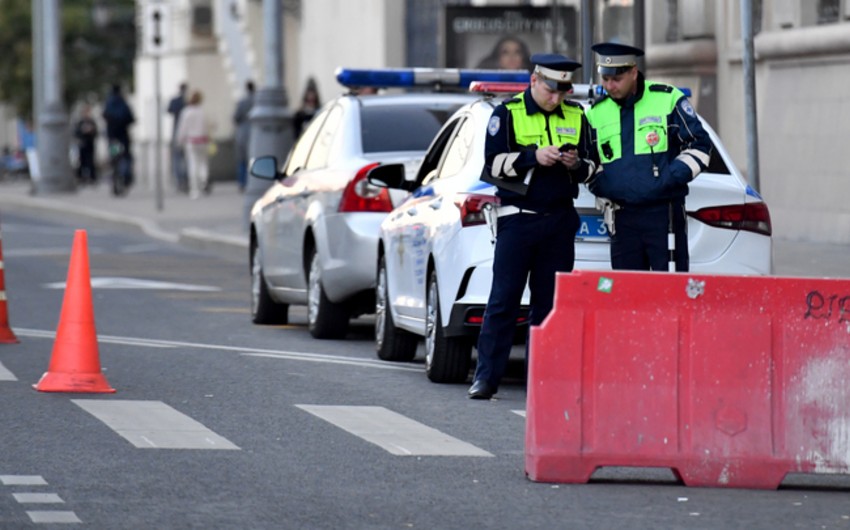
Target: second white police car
[(435, 251)]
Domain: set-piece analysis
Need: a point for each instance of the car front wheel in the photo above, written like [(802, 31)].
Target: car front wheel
[(447, 359), (392, 343), (264, 310), (325, 319)]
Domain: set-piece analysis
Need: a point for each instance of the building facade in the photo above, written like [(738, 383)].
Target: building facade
[(802, 61)]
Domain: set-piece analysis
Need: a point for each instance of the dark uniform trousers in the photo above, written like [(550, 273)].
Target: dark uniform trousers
[(640, 238), (530, 247)]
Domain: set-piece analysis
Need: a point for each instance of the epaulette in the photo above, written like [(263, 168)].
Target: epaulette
[(512, 100), (660, 88), (572, 103)]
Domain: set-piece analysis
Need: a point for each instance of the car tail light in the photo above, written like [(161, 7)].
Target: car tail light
[(360, 196), (752, 217), (472, 208)]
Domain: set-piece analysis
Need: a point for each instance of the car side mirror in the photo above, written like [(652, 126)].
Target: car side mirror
[(264, 167), (390, 176)]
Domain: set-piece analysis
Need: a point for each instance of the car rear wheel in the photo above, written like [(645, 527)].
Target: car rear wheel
[(392, 343), (264, 310), (325, 319), (447, 359)]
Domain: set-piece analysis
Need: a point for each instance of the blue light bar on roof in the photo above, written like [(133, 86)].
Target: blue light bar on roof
[(411, 77)]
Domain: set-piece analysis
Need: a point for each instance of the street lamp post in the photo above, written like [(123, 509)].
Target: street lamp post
[(54, 168), (271, 122)]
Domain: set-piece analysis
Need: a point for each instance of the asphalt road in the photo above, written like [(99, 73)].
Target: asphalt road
[(217, 423)]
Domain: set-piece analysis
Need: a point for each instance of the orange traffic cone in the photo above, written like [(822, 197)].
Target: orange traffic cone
[(6, 335), (75, 363)]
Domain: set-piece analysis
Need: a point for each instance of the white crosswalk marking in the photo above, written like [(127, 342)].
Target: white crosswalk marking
[(6, 375), (48, 517), (393, 432), (23, 480), (38, 498), (153, 425)]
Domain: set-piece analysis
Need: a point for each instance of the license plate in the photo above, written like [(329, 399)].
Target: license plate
[(592, 228)]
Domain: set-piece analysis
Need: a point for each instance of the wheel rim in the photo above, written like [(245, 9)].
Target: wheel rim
[(381, 306), (256, 278), (314, 290), (431, 321)]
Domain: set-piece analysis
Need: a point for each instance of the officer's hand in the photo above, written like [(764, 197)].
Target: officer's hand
[(570, 158), (547, 156)]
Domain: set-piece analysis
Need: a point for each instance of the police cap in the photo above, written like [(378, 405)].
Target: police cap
[(615, 58), (555, 70)]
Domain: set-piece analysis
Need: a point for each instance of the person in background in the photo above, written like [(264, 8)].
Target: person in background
[(85, 131), (536, 152), (509, 53), (310, 103), (193, 134), (651, 145), (119, 117), (242, 124), (178, 156)]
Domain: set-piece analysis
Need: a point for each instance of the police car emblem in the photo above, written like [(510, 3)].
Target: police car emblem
[(493, 126), (686, 106)]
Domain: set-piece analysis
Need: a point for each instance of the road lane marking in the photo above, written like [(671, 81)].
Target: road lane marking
[(23, 480), (249, 352), (393, 432), (48, 517), (519, 412), (335, 359), (153, 425), (38, 498), (108, 282), (6, 375)]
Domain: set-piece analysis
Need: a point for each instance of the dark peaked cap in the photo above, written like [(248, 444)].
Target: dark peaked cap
[(615, 58), (555, 70)]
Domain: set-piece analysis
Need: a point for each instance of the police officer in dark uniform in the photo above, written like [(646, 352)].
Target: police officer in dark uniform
[(537, 151), (651, 145)]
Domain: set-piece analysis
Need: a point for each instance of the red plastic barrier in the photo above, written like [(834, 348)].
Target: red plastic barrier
[(730, 381)]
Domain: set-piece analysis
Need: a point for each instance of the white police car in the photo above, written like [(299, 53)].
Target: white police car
[(435, 251), (314, 233)]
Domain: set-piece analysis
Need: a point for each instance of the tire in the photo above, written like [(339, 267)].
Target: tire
[(392, 343), (447, 359), (325, 319), (264, 310)]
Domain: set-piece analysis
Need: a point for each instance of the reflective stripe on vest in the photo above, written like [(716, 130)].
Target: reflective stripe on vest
[(531, 130), (650, 124)]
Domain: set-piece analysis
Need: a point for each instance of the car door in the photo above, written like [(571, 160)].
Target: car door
[(404, 232), (434, 214), (280, 218)]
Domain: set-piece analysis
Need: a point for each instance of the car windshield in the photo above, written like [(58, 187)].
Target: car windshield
[(401, 127)]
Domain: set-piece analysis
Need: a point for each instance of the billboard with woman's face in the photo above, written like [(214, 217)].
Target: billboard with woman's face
[(505, 37)]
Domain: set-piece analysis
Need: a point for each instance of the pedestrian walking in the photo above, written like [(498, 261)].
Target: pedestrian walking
[(193, 134), (119, 117), (651, 145), (242, 123), (85, 131), (537, 151), (178, 155)]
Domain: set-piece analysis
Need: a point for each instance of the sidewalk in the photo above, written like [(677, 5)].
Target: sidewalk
[(210, 222), (215, 222)]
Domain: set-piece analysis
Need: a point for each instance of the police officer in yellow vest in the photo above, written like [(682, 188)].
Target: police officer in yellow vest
[(537, 150), (651, 145)]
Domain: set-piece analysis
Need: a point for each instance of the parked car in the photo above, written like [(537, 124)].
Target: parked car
[(435, 251), (314, 233)]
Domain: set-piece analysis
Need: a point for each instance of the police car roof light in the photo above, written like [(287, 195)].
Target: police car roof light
[(411, 77)]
